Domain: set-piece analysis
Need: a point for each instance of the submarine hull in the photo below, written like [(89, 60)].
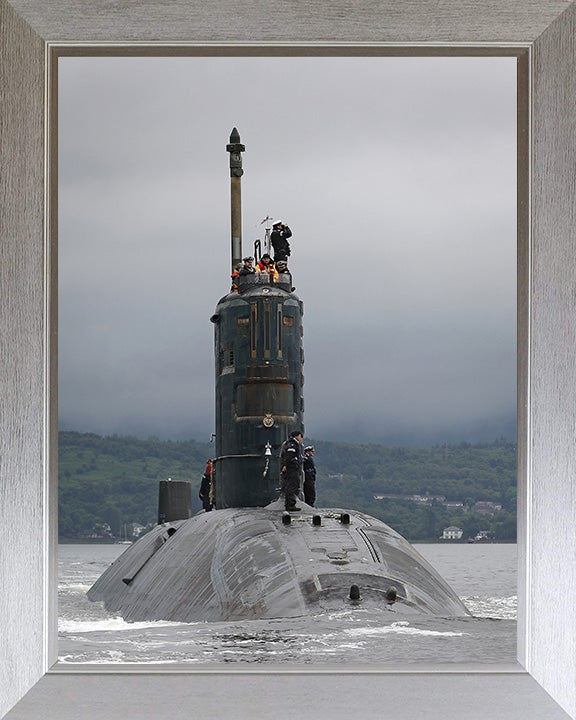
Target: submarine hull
[(252, 563), (248, 559)]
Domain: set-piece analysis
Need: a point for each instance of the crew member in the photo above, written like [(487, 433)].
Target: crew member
[(234, 277), (309, 476), (291, 458), (265, 264), (204, 493), (279, 239), (282, 269), (247, 268)]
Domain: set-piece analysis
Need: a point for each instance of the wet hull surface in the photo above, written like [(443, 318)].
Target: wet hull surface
[(250, 563)]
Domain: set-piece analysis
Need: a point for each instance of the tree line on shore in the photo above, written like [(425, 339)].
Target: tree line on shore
[(109, 485)]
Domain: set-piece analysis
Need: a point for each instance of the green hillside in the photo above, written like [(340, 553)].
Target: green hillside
[(108, 484), (114, 480)]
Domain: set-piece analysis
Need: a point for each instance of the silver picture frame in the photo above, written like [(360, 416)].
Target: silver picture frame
[(542, 35)]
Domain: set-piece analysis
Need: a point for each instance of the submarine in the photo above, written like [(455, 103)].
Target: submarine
[(248, 557)]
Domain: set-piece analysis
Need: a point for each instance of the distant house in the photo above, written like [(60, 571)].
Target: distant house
[(420, 499), (485, 507), (483, 535), (428, 499), (452, 533), (388, 496), (454, 504)]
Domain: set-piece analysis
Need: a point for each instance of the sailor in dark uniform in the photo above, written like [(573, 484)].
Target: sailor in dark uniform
[(291, 459), (204, 493), (279, 239), (309, 476), (247, 268)]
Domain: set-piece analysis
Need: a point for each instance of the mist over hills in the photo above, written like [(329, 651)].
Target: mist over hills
[(356, 430)]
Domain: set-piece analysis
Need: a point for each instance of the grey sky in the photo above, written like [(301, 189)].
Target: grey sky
[(398, 179)]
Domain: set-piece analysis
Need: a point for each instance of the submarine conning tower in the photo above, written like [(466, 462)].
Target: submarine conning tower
[(258, 367)]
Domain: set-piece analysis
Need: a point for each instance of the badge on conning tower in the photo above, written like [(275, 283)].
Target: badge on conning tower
[(268, 420)]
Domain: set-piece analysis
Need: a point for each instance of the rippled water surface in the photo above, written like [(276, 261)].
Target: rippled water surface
[(484, 577)]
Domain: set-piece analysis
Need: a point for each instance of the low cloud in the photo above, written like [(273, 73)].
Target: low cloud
[(397, 176)]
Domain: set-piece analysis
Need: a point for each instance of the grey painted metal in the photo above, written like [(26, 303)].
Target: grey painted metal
[(174, 500), (28, 351), (258, 380), (245, 563)]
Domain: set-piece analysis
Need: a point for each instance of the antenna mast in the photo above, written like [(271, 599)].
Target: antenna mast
[(235, 148)]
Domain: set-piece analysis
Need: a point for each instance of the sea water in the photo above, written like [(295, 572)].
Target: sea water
[(482, 575)]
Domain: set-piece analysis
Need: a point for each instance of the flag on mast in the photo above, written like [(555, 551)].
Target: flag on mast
[(267, 220)]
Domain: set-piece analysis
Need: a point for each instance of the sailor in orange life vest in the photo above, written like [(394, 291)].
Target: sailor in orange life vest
[(234, 277), (265, 264)]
